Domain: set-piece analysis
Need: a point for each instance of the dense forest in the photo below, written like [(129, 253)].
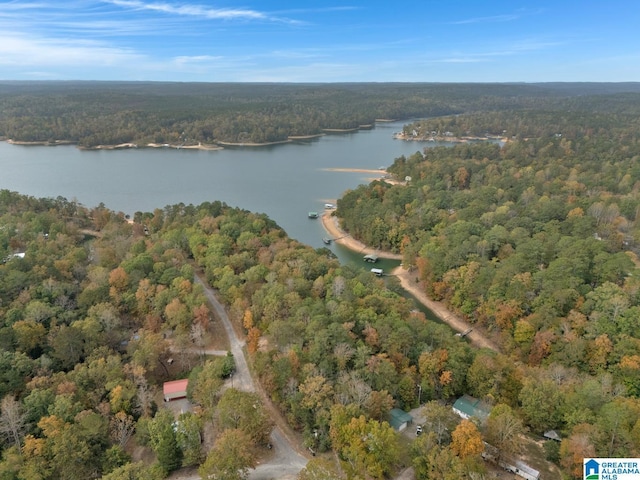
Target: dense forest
[(112, 113), (93, 307), (537, 243), (533, 241)]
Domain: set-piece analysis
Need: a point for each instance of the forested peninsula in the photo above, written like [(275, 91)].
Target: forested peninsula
[(534, 240)]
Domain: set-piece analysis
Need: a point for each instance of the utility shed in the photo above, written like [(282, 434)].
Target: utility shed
[(467, 406), (399, 419), (175, 389), (552, 435)]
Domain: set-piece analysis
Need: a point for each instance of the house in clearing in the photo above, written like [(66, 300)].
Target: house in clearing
[(467, 407), (175, 390)]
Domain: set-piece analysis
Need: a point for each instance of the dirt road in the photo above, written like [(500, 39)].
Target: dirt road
[(285, 461)]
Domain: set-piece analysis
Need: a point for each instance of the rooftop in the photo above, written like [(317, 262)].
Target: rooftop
[(175, 386), (472, 407), (397, 417)]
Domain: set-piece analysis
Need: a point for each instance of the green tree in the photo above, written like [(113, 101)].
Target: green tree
[(440, 420), (189, 438), (136, 471), (244, 411), (504, 430), (542, 404), (320, 469), (231, 457), (162, 436), (439, 463), (67, 345), (367, 447), (205, 385)]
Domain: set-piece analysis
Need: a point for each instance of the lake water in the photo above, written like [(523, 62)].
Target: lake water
[(284, 181)]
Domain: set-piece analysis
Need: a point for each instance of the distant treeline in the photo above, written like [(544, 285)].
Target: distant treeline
[(111, 113)]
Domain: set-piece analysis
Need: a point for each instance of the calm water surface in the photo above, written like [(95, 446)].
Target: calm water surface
[(284, 181)]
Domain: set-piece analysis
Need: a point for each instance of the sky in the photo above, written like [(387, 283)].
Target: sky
[(298, 41)]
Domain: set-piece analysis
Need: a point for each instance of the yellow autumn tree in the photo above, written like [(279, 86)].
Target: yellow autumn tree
[(466, 440), (253, 339), (247, 319)]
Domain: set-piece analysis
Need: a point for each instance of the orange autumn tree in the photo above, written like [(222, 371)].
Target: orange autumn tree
[(466, 440)]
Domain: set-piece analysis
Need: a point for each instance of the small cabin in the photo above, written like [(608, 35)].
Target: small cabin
[(175, 390), (377, 271), (371, 258), (399, 419)]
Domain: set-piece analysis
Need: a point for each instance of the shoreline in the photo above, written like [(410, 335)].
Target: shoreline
[(442, 139), (44, 143), (120, 146), (330, 224), (409, 281), (250, 144), (214, 146)]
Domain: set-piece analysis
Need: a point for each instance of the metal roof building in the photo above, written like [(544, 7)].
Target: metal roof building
[(467, 406), (399, 419), (175, 389)]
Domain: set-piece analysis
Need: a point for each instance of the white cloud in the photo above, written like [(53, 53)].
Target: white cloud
[(469, 59), (197, 11), (491, 19), (27, 51), (15, 6)]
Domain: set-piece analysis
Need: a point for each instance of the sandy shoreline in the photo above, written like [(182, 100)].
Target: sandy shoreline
[(330, 224), (409, 282), (42, 143)]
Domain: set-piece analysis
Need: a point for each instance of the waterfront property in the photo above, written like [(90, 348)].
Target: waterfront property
[(377, 271)]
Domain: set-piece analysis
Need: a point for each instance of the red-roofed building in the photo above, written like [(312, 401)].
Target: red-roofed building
[(175, 390)]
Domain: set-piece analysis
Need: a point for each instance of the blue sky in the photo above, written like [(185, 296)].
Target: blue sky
[(289, 41)]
